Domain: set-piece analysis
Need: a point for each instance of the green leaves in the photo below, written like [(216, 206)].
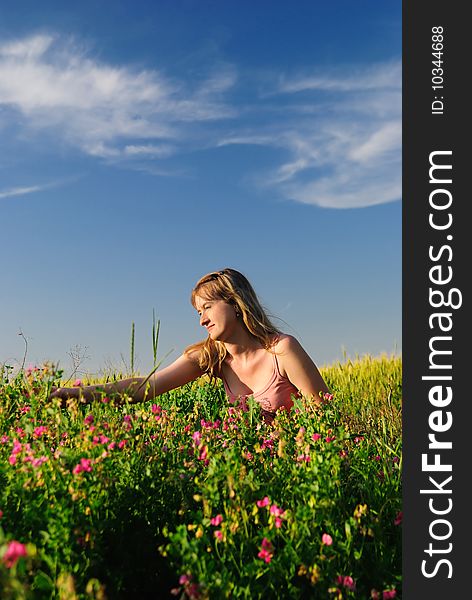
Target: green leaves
[(144, 494)]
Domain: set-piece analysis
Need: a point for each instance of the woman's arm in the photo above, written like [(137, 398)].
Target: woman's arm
[(297, 365), (180, 372)]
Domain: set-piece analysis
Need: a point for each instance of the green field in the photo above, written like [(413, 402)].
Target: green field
[(186, 497)]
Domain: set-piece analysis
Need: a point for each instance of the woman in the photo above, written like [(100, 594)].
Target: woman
[(243, 348)]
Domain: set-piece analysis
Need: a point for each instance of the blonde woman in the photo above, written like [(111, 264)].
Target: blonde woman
[(243, 349)]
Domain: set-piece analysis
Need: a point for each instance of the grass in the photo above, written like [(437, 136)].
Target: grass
[(186, 497)]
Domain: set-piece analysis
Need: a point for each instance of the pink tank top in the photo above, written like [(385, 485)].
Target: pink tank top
[(276, 394)]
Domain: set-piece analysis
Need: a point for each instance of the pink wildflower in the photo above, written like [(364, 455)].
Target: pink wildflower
[(77, 383), (13, 553), (278, 522), (346, 581), (326, 539), (266, 551), (389, 594), (218, 535), (203, 453), (276, 510), (196, 437), (12, 459), (84, 465), (39, 431), (264, 502), (303, 458), (121, 444), (25, 409), (88, 419), (398, 518), (329, 438), (217, 520), (16, 447), (316, 436)]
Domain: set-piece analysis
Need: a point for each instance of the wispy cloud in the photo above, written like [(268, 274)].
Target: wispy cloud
[(341, 133), (104, 110), (21, 191), (32, 189), (337, 131)]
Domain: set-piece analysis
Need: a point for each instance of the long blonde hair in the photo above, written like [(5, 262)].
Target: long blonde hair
[(232, 287)]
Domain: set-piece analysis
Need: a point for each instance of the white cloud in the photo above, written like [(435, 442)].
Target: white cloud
[(21, 191), (338, 131), (341, 134), (362, 78), (99, 108)]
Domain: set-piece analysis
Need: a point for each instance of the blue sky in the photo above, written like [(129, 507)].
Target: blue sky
[(145, 144)]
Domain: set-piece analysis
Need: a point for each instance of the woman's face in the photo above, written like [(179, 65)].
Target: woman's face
[(218, 317)]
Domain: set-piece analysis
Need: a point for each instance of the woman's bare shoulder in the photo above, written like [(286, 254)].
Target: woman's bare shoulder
[(285, 343)]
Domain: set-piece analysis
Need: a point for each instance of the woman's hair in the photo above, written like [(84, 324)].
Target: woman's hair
[(232, 287)]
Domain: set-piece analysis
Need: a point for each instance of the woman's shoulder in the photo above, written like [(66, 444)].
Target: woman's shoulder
[(285, 343)]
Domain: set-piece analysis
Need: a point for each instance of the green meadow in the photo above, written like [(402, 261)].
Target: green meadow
[(185, 496)]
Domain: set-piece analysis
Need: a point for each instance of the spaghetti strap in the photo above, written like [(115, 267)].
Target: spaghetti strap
[(277, 365)]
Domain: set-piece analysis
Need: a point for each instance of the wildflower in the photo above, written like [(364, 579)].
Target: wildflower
[(13, 553), (16, 447), (326, 539), (25, 409), (217, 520), (121, 444), (389, 594), (278, 522), (316, 436), (360, 511), (398, 519), (303, 458), (276, 510), (264, 502), (39, 431), (218, 535), (266, 551), (77, 383), (88, 419), (346, 581), (84, 465), (196, 437), (329, 438), (203, 453)]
